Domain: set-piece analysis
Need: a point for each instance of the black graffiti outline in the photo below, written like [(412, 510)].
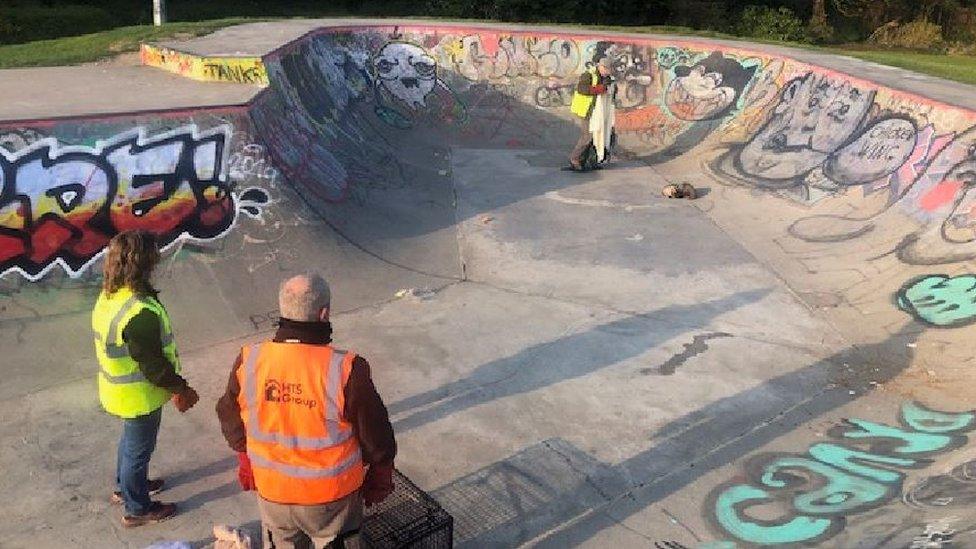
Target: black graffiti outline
[(49, 152)]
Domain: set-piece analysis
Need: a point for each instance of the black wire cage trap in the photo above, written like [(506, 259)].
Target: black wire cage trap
[(408, 518)]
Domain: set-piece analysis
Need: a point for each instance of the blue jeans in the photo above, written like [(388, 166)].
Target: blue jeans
[(132, 468)]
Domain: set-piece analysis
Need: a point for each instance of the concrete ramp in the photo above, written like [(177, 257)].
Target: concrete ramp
[(568, 359)]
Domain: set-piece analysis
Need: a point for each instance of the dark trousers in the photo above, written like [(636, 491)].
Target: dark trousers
[(132, 467), (583, 142)]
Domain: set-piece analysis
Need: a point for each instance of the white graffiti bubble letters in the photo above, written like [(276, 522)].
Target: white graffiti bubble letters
[(59, 204)]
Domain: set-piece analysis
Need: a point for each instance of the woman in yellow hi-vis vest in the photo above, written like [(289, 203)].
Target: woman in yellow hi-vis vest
[(139, 369), (592, 83)]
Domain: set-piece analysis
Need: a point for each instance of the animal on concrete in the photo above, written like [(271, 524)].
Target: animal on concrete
[(685, 190)]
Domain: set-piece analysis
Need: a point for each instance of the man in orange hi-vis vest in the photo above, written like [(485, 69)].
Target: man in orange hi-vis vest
[(312, 434)]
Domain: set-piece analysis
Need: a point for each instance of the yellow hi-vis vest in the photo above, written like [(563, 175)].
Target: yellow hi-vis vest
[(582, 103), (122, 389)]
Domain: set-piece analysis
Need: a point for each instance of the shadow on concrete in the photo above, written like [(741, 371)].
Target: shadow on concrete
[(563, 359), (559, 496), (203, 471), (226, 490)]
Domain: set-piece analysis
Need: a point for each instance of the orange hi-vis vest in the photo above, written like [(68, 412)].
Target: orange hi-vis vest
[(301, 447)]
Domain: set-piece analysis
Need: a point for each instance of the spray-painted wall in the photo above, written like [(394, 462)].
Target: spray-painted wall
[(67, 187), (756, 120)]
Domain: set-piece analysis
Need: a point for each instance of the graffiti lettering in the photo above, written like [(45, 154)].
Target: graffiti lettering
[(818, 490), (59, 205), (241, 72)]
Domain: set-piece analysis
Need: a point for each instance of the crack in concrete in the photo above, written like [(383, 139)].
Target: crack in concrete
[(677, 521)]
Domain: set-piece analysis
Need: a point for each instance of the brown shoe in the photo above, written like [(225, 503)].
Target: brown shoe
[(158, 512), (155, 487)]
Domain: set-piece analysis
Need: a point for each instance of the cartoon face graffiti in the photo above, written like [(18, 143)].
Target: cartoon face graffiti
[(814, 117), (709, 89), (406, 72), (629, 66)]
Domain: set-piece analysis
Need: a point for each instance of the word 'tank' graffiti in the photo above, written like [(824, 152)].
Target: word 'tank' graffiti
[(60, 205), (814, 494)]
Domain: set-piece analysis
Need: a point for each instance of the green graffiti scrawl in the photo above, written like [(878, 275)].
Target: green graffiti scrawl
[(740, 496), (929, 421), (940, 300), (842, 494), (816, 492), (912, 442), (847, 459)]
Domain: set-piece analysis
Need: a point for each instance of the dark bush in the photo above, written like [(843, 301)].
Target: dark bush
[(25, 23), (701, 14), (771, 24)]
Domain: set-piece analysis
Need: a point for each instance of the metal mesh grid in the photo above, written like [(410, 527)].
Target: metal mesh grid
[(408, 518)]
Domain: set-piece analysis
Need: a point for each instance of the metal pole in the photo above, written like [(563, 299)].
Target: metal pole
[(159, 12)]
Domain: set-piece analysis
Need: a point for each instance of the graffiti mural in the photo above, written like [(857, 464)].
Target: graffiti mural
[(822, 123), (631, 69), (814, 493), (347, 110), (60, 204), (407, 84), (708, 89), (239, 70)]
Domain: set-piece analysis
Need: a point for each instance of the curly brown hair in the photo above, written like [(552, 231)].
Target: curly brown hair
[(129, 262)]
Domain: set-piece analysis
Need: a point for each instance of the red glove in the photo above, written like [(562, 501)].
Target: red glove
[(245, 475), (378, 484), (598, 89), (185, 399)]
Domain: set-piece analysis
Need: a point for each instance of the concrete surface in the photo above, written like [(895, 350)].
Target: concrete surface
[(101, 88), (568, 359)]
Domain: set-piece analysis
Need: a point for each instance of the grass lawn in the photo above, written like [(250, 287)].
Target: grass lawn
[(961, 68), (92, 47), (100, 45)]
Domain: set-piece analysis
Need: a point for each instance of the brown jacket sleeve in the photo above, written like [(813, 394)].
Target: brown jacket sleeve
[(229, 412), (585, 84), (370, 421), (363, 408)]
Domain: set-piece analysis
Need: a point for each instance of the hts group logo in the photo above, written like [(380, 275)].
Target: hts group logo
[(286, 393)]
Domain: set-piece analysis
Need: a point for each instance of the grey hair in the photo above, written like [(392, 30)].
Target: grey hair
[(303, 297)]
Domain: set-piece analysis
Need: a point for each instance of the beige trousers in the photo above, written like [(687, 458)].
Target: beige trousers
[(328, 525)]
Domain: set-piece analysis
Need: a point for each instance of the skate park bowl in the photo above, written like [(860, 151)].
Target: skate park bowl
[(569, 359)]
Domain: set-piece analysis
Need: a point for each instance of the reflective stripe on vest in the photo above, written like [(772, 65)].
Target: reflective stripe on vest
[(122, 351), (307, 472), (119, 351), (337, 435)]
